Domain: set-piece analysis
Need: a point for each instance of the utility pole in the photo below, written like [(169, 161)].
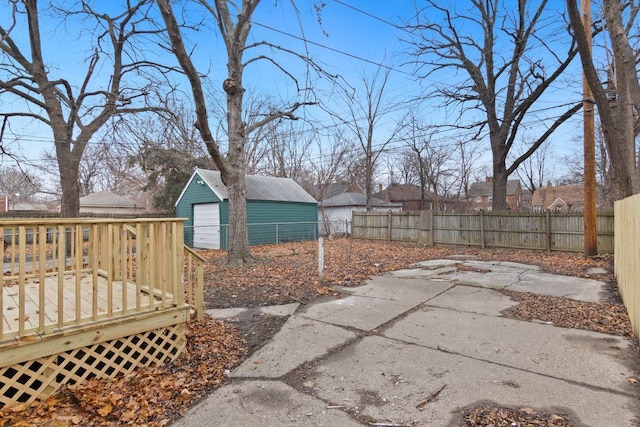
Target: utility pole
[(588, 106)]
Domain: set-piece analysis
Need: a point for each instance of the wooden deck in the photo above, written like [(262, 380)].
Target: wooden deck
[(90, 298), (103, 301)]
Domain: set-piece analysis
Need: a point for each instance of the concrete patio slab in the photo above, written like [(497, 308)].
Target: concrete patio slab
[(263, 403), (300, 340)]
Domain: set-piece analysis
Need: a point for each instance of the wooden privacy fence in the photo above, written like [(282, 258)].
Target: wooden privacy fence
[(518, 230), (627, 256)]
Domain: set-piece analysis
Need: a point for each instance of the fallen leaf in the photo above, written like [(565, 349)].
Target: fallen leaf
[(105, 410), (18, 407)]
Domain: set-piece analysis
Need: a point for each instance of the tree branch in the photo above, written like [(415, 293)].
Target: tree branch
[(276, 115), (177, 44), (560, 120)]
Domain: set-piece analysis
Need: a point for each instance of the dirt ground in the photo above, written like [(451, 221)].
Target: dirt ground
[(287, 273)]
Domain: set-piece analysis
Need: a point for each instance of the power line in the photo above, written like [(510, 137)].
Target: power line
[(372, 16), (316, 130), (341, 52)]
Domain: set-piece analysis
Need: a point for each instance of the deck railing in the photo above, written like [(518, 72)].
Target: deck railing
[(61, 273), (194, 281)]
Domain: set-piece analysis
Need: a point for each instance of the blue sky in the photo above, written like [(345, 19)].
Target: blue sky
[(347, 42), (342, 29)]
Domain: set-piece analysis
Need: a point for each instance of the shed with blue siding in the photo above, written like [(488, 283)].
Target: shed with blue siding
[(278, 210)]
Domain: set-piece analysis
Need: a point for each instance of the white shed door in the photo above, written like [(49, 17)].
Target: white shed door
[(206, 226)]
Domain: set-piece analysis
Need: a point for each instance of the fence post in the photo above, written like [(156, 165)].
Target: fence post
[(432, 225), (424, 231), (389, 225), (547, 227), (482, 244)]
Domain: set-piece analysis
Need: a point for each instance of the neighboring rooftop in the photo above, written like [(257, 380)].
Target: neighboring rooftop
[(561, 197), (106, 199), (333, 189), (357, 199), (486, 188), (402, 192)]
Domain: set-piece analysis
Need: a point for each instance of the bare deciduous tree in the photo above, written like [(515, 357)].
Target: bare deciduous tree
[(618, 100), (532, 171), (164, 149), (114, 80), (14, 182), (232, 164), (506, 56), (574, 171), (467, 153), (366, 111), (327, 165), (287, 148), (431, 163)]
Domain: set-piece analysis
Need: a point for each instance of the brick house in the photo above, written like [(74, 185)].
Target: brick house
[(561, 198), (409, 195), (481, 195)]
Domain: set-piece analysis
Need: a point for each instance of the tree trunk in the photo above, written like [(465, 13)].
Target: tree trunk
[(234, 176), (70, 203), (614, 103), (500, 174), (624, 168), (238, 237), (234, 179), (68, 168), (500, 188), (622, 149), (368, 180)]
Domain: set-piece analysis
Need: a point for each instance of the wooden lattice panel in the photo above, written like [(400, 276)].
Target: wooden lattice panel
[(39, 378)]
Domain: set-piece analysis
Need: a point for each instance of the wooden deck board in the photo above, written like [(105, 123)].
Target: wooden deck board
[(10, 302)]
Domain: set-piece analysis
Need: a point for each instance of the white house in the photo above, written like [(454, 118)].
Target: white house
[(334, 214)]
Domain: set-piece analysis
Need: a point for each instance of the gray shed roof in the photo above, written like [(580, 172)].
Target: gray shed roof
[(357, 199), (260, 187), (106, 199)]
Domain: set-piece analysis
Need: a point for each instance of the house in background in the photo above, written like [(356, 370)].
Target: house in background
[(562, 198), (8, 205), (278, 210), (334, 213), (527, 198), (107, 203), (481, 195), (408, 195), (333, 189)]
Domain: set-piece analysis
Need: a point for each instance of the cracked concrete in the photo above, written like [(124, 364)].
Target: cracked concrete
[(375, 355), (520, 278)]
